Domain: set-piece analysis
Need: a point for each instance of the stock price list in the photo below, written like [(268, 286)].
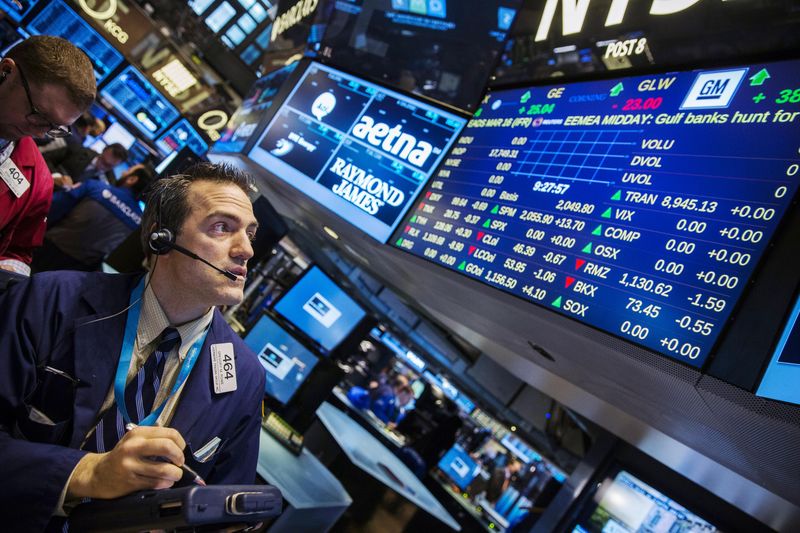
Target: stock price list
[(640, 206)]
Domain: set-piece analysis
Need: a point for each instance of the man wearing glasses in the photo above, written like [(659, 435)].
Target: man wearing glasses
[(46, 83)]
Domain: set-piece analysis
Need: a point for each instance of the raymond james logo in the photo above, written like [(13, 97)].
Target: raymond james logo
[(364, 190), (393, 140)]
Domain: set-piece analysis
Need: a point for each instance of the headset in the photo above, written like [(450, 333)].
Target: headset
[(162, 240)]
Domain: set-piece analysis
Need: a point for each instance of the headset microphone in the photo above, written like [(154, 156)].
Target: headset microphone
[(163, 240)]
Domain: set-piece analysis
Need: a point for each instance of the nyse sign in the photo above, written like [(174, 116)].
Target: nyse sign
[(573, 13)]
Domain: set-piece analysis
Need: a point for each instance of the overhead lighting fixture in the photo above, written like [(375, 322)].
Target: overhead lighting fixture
[(330, 232), (565, 49)]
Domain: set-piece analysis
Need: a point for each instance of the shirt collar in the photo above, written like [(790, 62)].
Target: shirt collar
[(153, 320)]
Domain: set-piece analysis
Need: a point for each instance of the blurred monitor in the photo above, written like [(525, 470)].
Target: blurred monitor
[(626, 503), (177, 162), (60, 20), (136, 99), (116, 133), (16, 9), (459, 467), (445, 50), (320, 309), (180, 135), (286, 361), (271, 229)]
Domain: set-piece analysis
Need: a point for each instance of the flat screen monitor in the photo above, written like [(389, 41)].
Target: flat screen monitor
[(445, 50), (220, 16), (640, 206), (139, 102), (628, 504), (459, 467), (780, 381), (116, 133), (286, 361), (242, 125), (320, 309), (359, 149), (180, 135), (56, 18)]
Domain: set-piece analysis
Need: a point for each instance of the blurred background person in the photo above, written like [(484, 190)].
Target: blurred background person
[(76, 163), (89, 221)]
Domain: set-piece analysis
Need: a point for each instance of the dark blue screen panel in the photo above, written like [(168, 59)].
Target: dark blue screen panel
[(287, 362), (640, 206), (245, 120), (137, 100), (459, 466), (320, 309), (180, 135), (359, 149), (780, 381), (60, 20)]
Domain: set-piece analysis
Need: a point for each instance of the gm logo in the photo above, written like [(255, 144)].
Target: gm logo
[(713, 90)]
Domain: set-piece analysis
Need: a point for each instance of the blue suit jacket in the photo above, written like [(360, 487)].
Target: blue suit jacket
[(47, 322)]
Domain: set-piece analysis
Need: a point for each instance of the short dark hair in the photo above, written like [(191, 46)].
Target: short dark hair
[(53, 60), (167, 199), (118, 151), (145, 176)]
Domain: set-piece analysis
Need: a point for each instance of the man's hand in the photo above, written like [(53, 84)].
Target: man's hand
[(62, 180), (130, 467)]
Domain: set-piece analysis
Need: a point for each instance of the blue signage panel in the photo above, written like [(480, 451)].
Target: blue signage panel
[(137, 100), (640, 206), (359, 149)]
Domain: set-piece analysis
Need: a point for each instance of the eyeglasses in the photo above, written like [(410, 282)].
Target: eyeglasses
[(37, 118)]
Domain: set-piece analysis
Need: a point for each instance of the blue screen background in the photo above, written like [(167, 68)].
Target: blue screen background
[(640, 206), (267, 331), (451, 464), (315, 282)]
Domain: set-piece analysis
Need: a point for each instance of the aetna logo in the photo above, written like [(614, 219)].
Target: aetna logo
[(393, 140)]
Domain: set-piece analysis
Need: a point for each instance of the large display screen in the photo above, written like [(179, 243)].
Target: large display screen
[(640, 206), (180, 135), (359, 149), (245, 120), (780, 381), (320, 309), (287, 362), (627, 504), (59, 20), (441, 49), (137, 100)]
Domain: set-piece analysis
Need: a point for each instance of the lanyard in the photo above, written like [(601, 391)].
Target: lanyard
[(131, 325)]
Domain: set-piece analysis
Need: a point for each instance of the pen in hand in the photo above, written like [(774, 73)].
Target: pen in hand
[(188, 473)]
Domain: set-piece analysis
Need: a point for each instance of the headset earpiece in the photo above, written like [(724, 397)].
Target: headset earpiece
[(161, 241)]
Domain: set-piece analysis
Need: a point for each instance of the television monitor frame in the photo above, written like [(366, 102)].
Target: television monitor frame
[(328, 314), (623, 456), (402, 168), (280, 356), (165, 150)]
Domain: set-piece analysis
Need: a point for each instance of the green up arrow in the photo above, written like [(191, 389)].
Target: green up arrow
[(759, 77), (616, 89)]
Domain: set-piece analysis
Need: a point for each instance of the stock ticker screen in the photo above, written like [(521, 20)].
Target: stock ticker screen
[(180, 135), (357, 148), (640, 206)]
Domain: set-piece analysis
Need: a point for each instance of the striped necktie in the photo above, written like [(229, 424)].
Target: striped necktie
[(140, 393)]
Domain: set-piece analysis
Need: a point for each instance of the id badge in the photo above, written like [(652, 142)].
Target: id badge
[(223, 367), (14, 178)]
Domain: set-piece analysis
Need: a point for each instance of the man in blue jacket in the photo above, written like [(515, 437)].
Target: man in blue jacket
[(80, 416), (88, 221)]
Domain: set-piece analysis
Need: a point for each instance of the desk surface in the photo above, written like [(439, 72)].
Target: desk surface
[(303, 480), (366, 452)]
